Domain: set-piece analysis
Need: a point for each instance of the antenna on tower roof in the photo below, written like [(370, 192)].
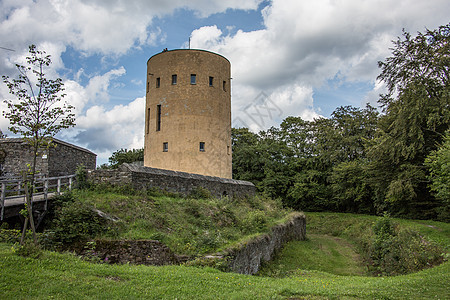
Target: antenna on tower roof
[(6, 49), (189, 42)]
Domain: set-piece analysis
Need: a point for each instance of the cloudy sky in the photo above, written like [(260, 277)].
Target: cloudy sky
[(289, 57)]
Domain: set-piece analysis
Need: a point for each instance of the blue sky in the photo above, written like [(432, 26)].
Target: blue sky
[(289, 57)]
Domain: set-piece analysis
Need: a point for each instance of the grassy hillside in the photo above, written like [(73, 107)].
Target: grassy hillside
[(318, 268), (64, 276), (192, 225), (345, 244)]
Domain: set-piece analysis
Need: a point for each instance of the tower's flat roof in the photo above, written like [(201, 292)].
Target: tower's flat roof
[(191, 50)]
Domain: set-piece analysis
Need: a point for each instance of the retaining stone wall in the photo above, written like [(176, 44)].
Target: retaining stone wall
[(247, 258), (142, 252), (179, 182)]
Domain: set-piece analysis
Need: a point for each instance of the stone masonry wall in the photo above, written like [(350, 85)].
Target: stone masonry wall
[(17, 154), (55, 161), (247, 258), (141, 252), (179, 182), (65, 158)]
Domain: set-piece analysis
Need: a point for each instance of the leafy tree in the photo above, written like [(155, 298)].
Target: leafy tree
[(331, 160), (37, 112), (247, 161), (126, 156), (417, 113), (438, 163)]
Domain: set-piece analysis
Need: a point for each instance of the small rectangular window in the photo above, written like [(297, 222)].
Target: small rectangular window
[(211, 81), (174, 79), (158, 117), (202, 146), (193, 78), (148, 86), (148, 120), (165, 147), (224, 85), (158, 82)]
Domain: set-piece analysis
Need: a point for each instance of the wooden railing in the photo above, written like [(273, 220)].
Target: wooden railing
[(12, 189)]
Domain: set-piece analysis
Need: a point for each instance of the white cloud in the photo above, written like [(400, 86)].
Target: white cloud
[(306, 43), (303, 45), (108, 27)]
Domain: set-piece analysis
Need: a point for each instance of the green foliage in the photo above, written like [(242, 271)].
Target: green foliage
[(298, 161), (200, 193), (319, 252), (350, 187), (125, 156), (76, 222), (438, 163), (36, 113), (356, 160), (416, 117), (400, 251), (255, 221), (187, 225), (28, 249), (71, 277), (81, 177), (387, 246)]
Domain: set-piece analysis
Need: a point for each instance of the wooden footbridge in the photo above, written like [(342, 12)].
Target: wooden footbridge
[(13, 200)]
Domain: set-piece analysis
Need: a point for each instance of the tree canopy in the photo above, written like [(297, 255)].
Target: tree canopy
[(359, 160)]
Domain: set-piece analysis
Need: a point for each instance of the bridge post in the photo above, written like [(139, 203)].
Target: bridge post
[(45, 193), (58, 188), (3, 199)]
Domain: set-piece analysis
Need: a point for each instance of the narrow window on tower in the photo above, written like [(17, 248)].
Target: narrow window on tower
[(148, 85), (202, 146), (158, 117), (193, 78), (211, 81), (158, 82), (224, 85), (148, 120), (165, 147), (174, 79)]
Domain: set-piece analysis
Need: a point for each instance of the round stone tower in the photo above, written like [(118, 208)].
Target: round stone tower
[(188, 112)]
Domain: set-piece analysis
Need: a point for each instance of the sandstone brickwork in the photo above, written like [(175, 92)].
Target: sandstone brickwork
[(188, 113)]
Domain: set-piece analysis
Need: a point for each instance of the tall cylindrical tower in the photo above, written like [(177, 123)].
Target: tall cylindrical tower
[(188, 113)]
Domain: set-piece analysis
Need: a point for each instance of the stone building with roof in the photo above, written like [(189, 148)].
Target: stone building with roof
[(60, 160)]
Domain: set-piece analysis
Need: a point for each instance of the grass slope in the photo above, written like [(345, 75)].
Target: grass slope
[(64, 276), (190, 226), (319, 252)]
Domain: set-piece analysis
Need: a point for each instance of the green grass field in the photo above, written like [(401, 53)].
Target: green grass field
[(325, 266), (64, 276)]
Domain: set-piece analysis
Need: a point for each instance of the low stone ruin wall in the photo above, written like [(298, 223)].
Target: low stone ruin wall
[(140, 252), (172, 181), (247, 258)]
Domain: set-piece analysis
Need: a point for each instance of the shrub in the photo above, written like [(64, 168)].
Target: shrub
[(200, 193), (28, 249), (81, 177), (76, 222), (255, 221), (396, 251)]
